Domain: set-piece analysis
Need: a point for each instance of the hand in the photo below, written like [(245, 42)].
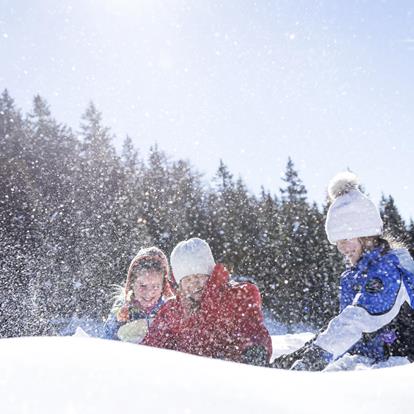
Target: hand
[(133, 331), (255, 355), (313, 358), (285, 361)]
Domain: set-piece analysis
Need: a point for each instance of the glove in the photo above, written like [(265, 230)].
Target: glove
[(133, 331), (313, 358), (255, 355), (286, 361)]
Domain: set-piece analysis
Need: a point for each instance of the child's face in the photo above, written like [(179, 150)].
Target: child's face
[(148, 287), (191, 289), (351, 249)]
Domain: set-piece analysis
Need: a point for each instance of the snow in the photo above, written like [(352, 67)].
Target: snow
[(90, 375), (283, 344)]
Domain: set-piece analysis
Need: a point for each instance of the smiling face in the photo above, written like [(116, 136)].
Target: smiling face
[(191, 289), (352, 249), (148, 288)]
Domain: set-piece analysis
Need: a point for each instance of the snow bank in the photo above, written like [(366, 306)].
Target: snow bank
[(89, 375)]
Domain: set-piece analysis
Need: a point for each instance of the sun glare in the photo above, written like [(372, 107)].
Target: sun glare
[(127, 7)]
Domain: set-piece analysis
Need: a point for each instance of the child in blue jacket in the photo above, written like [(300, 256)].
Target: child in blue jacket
[(376, 316)]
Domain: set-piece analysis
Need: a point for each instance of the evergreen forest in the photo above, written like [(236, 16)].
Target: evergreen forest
[(74, 212)]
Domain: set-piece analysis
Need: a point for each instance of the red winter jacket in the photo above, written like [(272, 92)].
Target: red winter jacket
[(228, 322)]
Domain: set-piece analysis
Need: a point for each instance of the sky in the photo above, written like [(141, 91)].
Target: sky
[(328, 83)]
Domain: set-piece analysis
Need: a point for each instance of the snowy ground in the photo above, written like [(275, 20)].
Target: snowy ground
[(89, 375)]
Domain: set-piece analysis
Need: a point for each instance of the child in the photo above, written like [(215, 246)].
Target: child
[(210, 316), (146, 289), (376, 316)]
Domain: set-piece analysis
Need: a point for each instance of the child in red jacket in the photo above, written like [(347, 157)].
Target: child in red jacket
[(210, 316)]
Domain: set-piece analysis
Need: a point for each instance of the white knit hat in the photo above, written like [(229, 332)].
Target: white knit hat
[(191, 257), (352, 214)]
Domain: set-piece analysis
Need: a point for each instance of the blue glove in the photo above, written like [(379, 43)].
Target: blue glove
[(313, 358)]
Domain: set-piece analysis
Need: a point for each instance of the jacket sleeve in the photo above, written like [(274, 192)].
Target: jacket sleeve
[(250, 322), (346, 293), (158, 333), (216, 285), (111, 327), (378, 303)]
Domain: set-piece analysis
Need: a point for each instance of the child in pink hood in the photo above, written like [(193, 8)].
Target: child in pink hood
[(148, 286)]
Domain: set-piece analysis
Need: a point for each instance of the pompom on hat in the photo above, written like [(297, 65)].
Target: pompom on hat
[(191, 257), (351, 214)]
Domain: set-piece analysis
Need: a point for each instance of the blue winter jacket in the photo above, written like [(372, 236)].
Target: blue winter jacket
[(372, 295)]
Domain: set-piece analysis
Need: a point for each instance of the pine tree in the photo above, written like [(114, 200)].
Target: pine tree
[(233, 226), (186, 201), (325, 264), (99, 187), (294, 192), (306, 267), (394, 225), (410, 237), (15, 221), (265, 262), (130, 157), (155, 203), (51, 150)]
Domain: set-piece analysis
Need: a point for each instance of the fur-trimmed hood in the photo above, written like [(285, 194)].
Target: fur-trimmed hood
[(148, 255)]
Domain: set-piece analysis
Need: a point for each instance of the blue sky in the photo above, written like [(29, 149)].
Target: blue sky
[(328, 83)]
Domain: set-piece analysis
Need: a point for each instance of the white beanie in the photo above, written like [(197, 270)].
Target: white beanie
[(191, 257), (352, 214)]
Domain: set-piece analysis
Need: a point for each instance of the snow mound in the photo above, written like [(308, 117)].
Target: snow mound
[(90, 375)]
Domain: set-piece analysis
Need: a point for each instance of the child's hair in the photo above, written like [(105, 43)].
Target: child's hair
[(385, 242)]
